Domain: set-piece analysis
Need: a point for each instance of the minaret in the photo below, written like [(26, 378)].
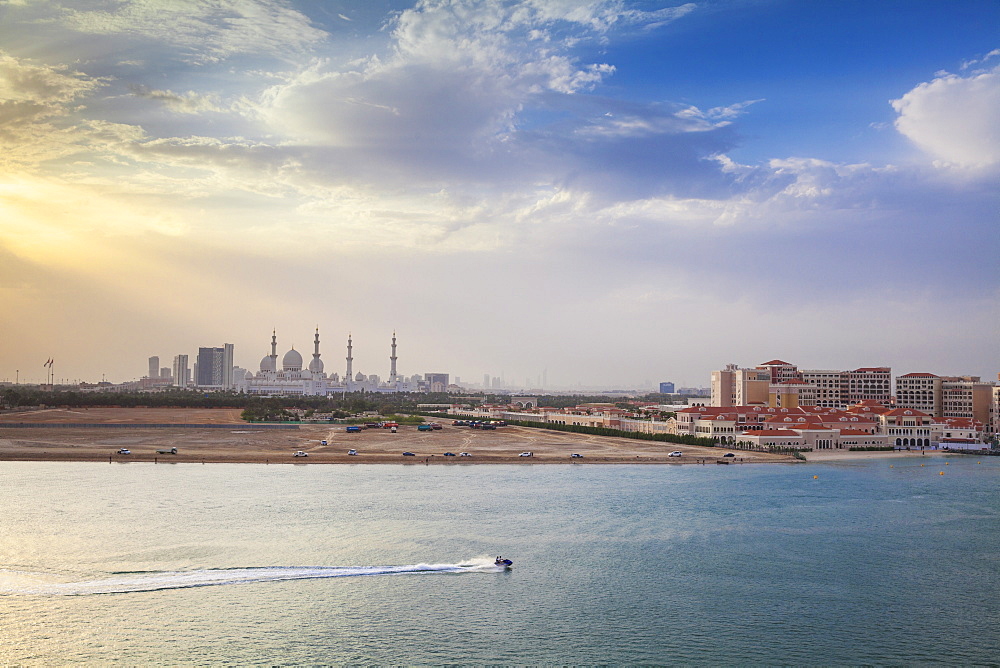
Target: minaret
[(316, 351), (392, 362), (274, 347), (350, 362)]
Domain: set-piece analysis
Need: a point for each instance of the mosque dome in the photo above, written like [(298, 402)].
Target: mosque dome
[(267, 363), (316, 365), (292, 361), (360, 377), (248, 376)]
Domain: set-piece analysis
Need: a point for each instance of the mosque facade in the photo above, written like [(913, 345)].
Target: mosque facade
[(295, 379)]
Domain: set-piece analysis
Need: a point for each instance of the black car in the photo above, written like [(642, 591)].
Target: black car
[(729, 454), (409, 454), (449, 454)]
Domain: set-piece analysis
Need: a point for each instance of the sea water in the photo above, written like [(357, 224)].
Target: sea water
[(874, 562)]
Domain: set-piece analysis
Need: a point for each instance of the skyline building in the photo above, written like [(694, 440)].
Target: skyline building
[(154, 367), (181, 372), (215, 367)]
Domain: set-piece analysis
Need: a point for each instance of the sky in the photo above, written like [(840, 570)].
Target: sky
[(604, 193)]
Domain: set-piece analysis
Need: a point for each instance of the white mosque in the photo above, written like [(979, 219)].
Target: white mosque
[(293, 379)]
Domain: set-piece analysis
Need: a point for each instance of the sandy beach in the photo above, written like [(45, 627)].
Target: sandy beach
[(837, 455), (226, 439)]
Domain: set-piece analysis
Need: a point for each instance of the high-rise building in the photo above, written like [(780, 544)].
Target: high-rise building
[(182, 374), (734, 386), (437, 382), (228, 382), (666, 388), (165, 372), (154, 367), (215, 367)]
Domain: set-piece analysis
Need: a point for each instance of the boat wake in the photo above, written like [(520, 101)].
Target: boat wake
[(15, 583)]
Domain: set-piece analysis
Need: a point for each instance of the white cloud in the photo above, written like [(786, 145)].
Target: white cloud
[(183, 103), (44, 85), (954, 118), (206, 32), (36, 105)]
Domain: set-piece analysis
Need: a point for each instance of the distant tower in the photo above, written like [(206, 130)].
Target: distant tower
[(274, 348), (392, 361), (350, 361), (154, 367), (316, 366)]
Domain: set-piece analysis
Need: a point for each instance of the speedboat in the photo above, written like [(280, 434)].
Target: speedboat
[(503, 563)]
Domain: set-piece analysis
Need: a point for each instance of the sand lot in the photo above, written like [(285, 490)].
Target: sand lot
[(238, 442)]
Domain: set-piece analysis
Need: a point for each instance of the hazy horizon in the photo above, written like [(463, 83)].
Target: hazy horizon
[(613, 193)]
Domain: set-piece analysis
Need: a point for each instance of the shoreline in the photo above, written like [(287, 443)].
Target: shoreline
[(217, 436), (57, 434)]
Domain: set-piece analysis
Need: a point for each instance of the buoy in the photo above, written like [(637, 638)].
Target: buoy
[(947, 463), (942, 473), (815, 477), (891, 466), (921, 464)]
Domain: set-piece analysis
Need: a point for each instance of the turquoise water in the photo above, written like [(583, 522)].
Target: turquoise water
[(290, 565)]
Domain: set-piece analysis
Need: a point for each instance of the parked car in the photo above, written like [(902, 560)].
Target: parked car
[(124, 451), (449, 454), (576, 455), (392, 430), (353, 429), (322, 442), (526, 454), (409, 454), (352, 452), (460, 423), (299, 453), (423, 427), (435, 426), (675, 453), (464, 454), (729, 454)]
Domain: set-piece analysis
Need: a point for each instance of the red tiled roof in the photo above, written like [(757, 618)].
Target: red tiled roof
[(877, 369), (906, 412), (775, 362), (961, 423), (918, 375), (855, 432)]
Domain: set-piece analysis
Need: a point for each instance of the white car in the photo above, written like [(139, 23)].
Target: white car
[(352, 452), (464, 454), (576, 455), (124, 451), (675, 453), (299, 453), (526, 454)]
